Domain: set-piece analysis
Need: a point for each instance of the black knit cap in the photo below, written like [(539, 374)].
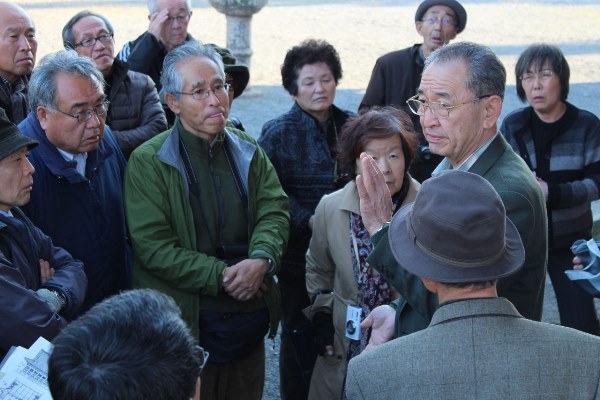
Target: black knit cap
[(239, 72), (459, 10), (11, 138)]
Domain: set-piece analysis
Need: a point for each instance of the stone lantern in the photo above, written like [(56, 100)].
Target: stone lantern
[(239, 17)]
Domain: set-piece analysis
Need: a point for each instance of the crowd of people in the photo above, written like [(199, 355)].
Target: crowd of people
[(403, 247)]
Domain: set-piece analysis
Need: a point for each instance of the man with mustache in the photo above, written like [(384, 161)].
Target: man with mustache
[(396, 75), (18, 46), (135, 113), (79, 199)]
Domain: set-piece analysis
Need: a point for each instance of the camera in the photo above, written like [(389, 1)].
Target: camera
[(353, 315)]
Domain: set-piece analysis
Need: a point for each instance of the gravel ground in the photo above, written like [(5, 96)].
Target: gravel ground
[(361, 31)]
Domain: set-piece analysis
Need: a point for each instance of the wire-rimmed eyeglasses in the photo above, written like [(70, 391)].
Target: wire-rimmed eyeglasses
[(182, 19), (439, 110), (219, 89), (105, 38), (203, 355), (433, 20), (544, 75), (85, 115)]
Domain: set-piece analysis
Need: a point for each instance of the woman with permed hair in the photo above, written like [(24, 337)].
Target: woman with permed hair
[(337, 273), (301, 145)]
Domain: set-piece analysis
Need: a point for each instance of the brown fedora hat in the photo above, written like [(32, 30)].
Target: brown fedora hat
[(456, 231), (11, 138)]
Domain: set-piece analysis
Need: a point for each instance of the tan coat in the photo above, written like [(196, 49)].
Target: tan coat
[(329, 268)]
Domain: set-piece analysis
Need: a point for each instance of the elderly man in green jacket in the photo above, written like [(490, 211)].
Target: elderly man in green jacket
[(209, 221)]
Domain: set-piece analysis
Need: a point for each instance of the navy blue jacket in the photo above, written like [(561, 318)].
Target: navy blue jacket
[(26, 316), (300, 154), (84, 215)]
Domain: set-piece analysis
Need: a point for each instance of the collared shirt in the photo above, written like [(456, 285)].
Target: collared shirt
[(468, 163), (79, 158), (6, 213)]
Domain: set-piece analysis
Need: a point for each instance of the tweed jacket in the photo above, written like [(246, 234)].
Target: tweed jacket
[(329, 269), (480, 349), (525, 206), (571, 167), (135, 113), (300, 154)]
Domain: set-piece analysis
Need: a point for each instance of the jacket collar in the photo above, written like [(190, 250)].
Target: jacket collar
[(488, 158), (473, 308)]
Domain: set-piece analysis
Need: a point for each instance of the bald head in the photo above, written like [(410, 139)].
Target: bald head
[(18, 43)]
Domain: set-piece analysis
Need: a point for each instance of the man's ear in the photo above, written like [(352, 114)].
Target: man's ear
[(493, 108), (430, 285), (42, 116), (418, 26), (173, 103)]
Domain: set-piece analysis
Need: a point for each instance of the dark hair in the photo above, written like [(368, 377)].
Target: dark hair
[(67, 32), (375, 123), (486, 74), (534, 57), (130, 346), (310, 51), (472, 285)]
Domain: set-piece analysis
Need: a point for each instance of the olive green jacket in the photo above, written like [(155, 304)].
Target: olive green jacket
[(162, 229)]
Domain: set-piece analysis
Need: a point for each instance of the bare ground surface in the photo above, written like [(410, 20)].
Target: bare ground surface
[(361, 31)]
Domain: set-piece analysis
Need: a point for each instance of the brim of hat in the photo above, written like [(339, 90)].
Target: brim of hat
[(410, 256), (241, 77), (14, 143)]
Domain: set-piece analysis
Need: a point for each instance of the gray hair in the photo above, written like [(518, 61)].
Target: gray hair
[(171, 78), (486, 74), (42, 86), (152, 8), (67, 32)]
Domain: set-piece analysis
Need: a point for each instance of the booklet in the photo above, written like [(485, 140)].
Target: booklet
[(24, 372)]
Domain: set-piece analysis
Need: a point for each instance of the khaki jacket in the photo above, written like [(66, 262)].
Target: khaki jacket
[(329, 268)]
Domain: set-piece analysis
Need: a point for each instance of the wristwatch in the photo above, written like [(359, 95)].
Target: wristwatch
[(271, 266)]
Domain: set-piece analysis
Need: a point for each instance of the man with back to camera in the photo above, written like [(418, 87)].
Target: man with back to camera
[(459, 101), (78, 200), (135, 113), (477, 346), (133, 345), (208, 221), (396, 75), (18, 47), (41, 286)]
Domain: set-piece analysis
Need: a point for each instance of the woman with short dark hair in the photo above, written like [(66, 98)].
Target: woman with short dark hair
[(337, 273), (561, 145), (301, 145)]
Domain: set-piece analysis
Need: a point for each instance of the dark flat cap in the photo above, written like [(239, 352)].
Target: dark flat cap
[(459, 10), (11, 138), (239, 72)]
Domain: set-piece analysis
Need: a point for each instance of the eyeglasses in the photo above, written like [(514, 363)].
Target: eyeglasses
[(105, 38), (220, 89), (229, 81), (203, 355), (439, 110), (544, 75), (83, 116), (446, 21), (182, 19)]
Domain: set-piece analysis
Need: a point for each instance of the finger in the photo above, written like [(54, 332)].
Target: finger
[(367, 323)]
